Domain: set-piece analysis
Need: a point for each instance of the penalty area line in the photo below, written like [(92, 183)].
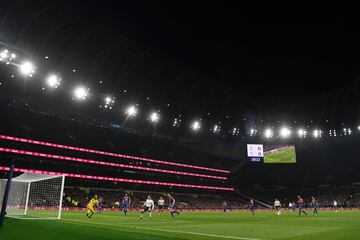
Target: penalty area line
[(196, 233)]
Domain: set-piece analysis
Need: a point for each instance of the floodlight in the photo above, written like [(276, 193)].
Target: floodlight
[(80, 93), (268, 133), (302, 133), (27, 68), (176, 122), (235, 131), (53, 81), (253, 132), (216, 129), (107, 100), (347, 131), (131, 111), (196, 125), (332, 133), (4, 55), (317, 133), (154, 117), (285, 132)]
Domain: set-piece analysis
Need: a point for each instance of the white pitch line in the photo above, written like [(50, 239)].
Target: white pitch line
[(163, 230), (197, 233), (114, 225)]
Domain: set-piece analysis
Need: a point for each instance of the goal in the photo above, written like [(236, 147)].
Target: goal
[(34, 196)]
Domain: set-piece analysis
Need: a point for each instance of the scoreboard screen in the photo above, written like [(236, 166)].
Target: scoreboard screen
[(280, 154), (255, 152)]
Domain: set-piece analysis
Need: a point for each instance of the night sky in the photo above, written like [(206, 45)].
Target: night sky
[(270, 56)]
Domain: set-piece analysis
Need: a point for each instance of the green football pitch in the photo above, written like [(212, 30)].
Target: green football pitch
[(189, 225), (286, 155)]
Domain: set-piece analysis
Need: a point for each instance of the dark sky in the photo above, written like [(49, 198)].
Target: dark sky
[(271, 55), (238, 44), (313, 50)]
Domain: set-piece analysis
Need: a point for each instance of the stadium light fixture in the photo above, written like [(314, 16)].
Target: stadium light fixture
[(235, 131), (302, 133), (317, 133), (268, 133), (176, 122), (347, 131), (80, 93), (131, 111), (108, 102), (27, 68), (358, 127), (4, 55), (216, 128), (154, 117), (332, 133), (53, 81), (285, 132), (196, 126), (253, 132)]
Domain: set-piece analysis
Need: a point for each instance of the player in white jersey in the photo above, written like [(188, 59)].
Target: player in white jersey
[(335, 205), (148, 207), (277, 206), (161, 204)]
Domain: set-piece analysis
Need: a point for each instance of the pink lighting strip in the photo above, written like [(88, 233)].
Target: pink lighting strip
[(65, 158), (54, 145), (72, 175)]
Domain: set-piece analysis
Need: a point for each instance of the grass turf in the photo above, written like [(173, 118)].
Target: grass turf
[(286, 155), (189, 225)]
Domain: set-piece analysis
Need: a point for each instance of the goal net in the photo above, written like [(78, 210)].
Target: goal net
[(34, 196)]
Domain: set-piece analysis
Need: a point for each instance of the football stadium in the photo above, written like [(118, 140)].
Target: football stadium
[(142, 121)]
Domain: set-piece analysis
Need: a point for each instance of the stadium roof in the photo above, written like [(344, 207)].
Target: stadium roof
[(212, 62)]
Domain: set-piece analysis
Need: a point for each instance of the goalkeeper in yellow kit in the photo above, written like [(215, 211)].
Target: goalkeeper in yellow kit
[(90, 207)]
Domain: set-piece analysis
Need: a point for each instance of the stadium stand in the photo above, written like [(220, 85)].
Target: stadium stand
[(265, 182)]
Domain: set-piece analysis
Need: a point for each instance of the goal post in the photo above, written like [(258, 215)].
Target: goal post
[(35, 196), (61, 196)]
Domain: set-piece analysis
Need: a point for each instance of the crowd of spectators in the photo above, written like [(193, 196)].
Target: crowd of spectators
[(347, 197), (113, 198)]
